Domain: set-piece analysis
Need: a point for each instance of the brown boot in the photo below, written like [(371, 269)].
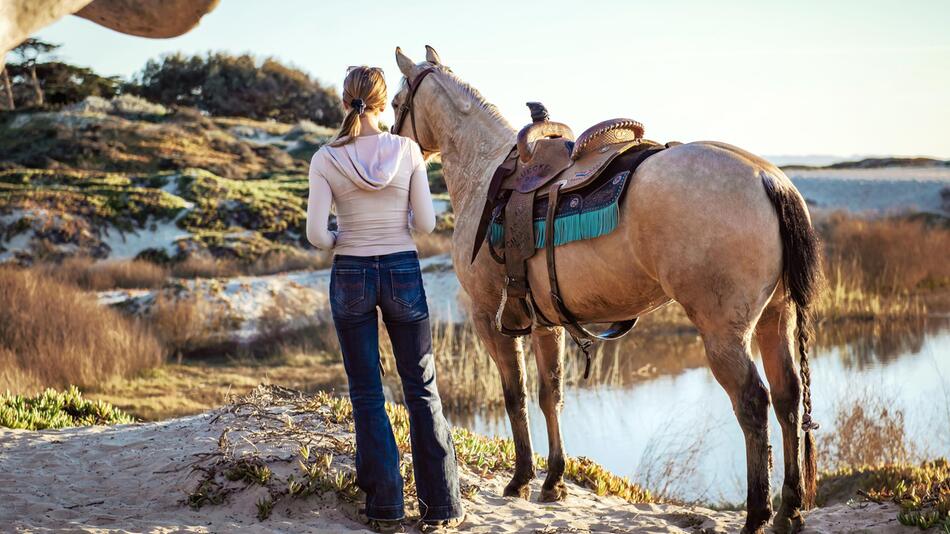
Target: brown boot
[(443, 524)]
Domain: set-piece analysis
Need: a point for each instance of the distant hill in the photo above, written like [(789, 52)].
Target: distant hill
[(129, 134), (875, 163), (126, 177)]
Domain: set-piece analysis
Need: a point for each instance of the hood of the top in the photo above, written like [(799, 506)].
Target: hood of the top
[(369, 165)]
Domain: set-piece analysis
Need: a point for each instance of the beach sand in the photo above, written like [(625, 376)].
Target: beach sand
[(137, 478)]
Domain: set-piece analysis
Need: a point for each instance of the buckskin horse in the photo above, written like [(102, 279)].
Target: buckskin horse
[(719, 230)]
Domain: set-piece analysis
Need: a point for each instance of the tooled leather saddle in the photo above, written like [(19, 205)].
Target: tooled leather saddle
[(550, 190)]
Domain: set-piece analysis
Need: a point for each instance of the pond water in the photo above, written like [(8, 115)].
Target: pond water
[(680, 416)]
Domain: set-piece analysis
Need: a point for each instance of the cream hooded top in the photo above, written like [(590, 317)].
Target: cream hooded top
[(380, 188)]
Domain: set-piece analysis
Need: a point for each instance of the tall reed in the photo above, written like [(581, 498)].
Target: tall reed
[(54, 335)]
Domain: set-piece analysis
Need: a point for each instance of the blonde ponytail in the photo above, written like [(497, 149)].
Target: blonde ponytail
[(364, 90), (349, 130)]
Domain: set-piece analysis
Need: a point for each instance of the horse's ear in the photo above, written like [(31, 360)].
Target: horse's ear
[(406, 65), (432, 56)]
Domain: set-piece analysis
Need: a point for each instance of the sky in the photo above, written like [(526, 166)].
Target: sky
[(864, 77)]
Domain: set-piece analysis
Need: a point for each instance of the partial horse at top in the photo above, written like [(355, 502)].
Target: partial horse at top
[(159, 19)]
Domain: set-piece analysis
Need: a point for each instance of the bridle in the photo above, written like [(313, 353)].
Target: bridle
[(408, 109)]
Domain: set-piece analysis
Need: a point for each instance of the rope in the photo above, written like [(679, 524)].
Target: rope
[(801, 320)]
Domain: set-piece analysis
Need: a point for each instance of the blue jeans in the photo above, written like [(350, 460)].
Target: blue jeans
[(393, 283)]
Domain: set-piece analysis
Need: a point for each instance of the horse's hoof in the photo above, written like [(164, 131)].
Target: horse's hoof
[(785, 524), (517, 489), (558, 492)]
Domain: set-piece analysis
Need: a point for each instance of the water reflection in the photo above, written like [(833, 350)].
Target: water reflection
[(866, 344), (646, 355)]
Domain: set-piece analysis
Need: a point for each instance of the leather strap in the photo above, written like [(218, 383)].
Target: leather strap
[(519, 246), (503, 171), (519, 242), (582, 336), (409, 109)]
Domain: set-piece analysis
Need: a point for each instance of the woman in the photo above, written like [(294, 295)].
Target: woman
[(379, 185)]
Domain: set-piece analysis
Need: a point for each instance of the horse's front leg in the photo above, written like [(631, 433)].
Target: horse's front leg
[(509, 358), (548, 344)]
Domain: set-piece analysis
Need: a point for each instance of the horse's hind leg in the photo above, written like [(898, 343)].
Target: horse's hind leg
[(730, 359), (508, 356), (548, 344), (775, 336)]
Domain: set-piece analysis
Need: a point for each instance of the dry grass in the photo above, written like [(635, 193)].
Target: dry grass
[(201, 266), (86, 273), (433, 244), (182, 324), (54, 335), (283, 262), (879, 269), (204, 266), (192, 387), (846, 296), (671, 463), (887, 256)]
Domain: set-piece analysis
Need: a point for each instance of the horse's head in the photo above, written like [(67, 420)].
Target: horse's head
[(429, 101)]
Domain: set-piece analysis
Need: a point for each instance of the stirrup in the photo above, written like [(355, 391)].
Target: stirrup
[(499, 324)]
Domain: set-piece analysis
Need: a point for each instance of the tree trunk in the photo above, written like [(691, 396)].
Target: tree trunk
[(36, 86), (9, 90)]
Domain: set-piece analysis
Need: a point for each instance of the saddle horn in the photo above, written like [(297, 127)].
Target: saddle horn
[(541, 127)]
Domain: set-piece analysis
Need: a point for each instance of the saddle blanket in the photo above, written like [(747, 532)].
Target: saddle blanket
[(586, 213)]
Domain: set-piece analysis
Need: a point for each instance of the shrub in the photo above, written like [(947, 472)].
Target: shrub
[(182, 324), (54, 335), (204, 266), (57, 409), (243, 86), (869, 431), (86, 273)]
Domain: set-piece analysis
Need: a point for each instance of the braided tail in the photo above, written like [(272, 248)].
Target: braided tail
[(809, 454), (801, 275)]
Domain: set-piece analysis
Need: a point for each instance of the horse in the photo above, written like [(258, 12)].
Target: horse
[(718, 230)]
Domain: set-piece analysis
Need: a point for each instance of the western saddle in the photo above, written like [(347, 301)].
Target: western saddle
[(552, 189)]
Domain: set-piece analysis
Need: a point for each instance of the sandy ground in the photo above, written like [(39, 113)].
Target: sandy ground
[(135, 478)]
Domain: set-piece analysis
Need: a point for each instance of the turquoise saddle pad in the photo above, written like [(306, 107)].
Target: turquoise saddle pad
[(583, 214)]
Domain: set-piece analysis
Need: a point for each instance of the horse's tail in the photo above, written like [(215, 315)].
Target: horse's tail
[(801, 274)]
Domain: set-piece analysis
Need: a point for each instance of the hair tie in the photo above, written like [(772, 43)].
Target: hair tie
[(358, 105)]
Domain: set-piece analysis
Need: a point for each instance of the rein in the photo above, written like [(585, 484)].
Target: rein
[(408, 109)]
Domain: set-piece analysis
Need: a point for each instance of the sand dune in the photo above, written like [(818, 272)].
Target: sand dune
[(137, 478)]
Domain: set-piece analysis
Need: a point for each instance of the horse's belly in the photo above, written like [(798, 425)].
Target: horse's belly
[(600, 280)]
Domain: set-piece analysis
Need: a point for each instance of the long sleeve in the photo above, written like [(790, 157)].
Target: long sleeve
[(318, 209), (422, 212)]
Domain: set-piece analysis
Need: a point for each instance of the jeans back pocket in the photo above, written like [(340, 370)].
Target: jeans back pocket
[(348, 286), (406, 285)]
